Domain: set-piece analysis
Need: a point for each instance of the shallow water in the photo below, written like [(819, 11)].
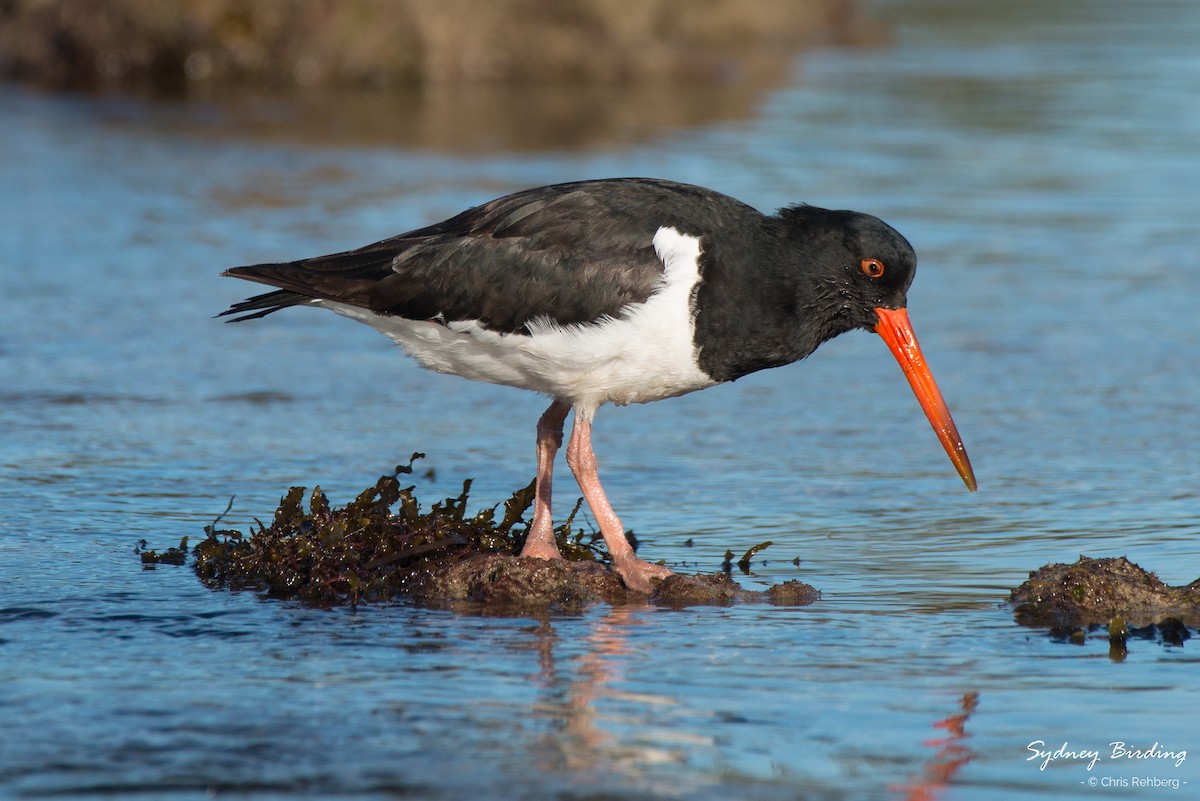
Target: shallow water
[(1042, 159)]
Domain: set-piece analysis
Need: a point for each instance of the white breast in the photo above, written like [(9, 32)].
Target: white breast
[(645, 353)]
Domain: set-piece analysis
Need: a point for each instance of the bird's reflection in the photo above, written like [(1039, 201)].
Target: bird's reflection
[(583, 701), (592, 725), (952, 753)]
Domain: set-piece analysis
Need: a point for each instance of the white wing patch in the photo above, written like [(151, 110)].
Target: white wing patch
[(645, 353)]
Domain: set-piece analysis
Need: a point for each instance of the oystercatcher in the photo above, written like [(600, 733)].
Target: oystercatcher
[(624, 290)]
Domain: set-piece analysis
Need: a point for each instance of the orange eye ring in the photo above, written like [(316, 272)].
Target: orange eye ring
[(872, 268)]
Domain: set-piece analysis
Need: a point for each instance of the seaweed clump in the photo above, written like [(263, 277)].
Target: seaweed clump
[(1111, 593), (326, 556), (365, 551), (176, 555)]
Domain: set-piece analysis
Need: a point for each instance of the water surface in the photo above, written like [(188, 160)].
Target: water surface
[(1043, 161)]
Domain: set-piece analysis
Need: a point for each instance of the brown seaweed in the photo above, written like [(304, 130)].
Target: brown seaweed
[(383, 546)]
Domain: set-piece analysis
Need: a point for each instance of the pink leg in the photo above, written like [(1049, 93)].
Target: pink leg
[(539, 542), (635, 572)]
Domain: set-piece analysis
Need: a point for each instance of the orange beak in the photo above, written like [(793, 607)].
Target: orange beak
[(897, 332)]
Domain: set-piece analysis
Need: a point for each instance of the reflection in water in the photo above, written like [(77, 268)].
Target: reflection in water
[(584, 739), (483, 119), (951, 755)]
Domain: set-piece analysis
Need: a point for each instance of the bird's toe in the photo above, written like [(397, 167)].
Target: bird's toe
[(639, 575)]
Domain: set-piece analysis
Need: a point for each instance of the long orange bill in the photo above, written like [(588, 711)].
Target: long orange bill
[(897, 332)]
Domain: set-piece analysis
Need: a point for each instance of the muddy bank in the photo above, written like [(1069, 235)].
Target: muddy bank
[(383, 546), (176, 46)]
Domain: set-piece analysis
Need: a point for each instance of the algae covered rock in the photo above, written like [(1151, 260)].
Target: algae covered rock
[(383, 546), (1108, 592), (505, 582)]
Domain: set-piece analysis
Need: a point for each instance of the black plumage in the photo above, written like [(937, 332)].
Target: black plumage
[(570, 253)]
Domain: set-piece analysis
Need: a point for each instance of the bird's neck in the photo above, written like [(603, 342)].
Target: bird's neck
[(754, 313)]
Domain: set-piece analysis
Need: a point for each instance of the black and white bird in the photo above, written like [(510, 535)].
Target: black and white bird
[(619, 291)]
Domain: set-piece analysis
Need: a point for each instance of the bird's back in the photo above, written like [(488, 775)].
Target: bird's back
[(569, 253)]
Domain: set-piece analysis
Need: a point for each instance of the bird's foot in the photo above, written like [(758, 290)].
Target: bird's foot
[(638, 573)]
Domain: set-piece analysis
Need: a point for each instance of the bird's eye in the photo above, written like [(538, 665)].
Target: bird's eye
[(872, 268)]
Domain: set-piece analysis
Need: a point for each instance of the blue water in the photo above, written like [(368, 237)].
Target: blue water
[(1042, 158)]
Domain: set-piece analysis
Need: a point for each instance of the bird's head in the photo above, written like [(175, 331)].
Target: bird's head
[(860, 270), (853, 264)]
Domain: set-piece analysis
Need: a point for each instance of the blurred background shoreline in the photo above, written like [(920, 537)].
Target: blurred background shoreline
[(457, 75), (194, 46)]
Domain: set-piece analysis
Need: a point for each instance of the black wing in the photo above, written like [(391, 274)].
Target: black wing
[(571, 253)]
